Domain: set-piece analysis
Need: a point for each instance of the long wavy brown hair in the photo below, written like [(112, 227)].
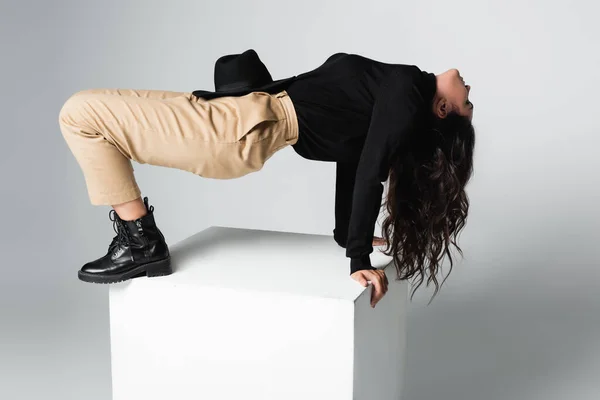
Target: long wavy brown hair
[(426, 202)]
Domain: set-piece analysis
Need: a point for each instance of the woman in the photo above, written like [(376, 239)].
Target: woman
[(375, 120)]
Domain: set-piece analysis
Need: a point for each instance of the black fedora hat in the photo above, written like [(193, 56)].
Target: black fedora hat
[(240, 74)]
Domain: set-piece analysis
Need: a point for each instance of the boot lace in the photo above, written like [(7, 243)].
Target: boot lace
[(123, 236)]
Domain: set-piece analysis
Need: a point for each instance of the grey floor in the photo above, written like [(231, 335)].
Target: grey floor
[(529, 345)]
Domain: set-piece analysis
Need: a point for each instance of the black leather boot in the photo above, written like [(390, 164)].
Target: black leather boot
[(138, 249)]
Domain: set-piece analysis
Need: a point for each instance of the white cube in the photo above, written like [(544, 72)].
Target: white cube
[(257, 315)]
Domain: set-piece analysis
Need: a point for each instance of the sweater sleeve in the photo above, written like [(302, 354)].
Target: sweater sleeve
[(395, 107), (345, 173)]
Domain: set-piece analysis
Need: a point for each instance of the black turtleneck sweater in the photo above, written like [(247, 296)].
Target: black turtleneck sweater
[(358, 113)]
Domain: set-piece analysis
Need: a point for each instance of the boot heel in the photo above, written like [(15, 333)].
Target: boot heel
[(159, 268)]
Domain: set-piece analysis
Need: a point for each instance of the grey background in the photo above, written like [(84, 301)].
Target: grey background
[(519, 318)]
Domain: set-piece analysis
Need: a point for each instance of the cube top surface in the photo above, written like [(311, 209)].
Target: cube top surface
[(264, 261)]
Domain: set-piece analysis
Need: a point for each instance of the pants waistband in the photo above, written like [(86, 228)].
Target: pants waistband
[(292, 130)]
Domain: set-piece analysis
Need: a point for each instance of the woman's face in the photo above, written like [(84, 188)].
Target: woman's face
[(452, 87)]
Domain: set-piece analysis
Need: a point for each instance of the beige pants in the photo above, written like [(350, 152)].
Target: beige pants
[(221, 138)]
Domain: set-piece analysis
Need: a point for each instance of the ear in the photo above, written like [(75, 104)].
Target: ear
[(442, 108)]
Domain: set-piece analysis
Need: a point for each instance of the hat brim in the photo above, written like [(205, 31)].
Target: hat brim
[(272, 87)]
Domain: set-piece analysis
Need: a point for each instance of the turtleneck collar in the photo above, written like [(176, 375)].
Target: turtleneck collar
[(429, 86), (428, 89)]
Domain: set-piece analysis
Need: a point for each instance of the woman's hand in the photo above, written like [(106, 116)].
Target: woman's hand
[(377, 278), (377, 241)]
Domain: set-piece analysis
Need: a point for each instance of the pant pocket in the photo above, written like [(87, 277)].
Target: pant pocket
[(259, 114)]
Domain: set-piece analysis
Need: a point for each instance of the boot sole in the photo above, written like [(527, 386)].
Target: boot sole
[(152, 269)]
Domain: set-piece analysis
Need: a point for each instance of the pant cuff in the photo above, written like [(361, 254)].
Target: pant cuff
[(115, 198)]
